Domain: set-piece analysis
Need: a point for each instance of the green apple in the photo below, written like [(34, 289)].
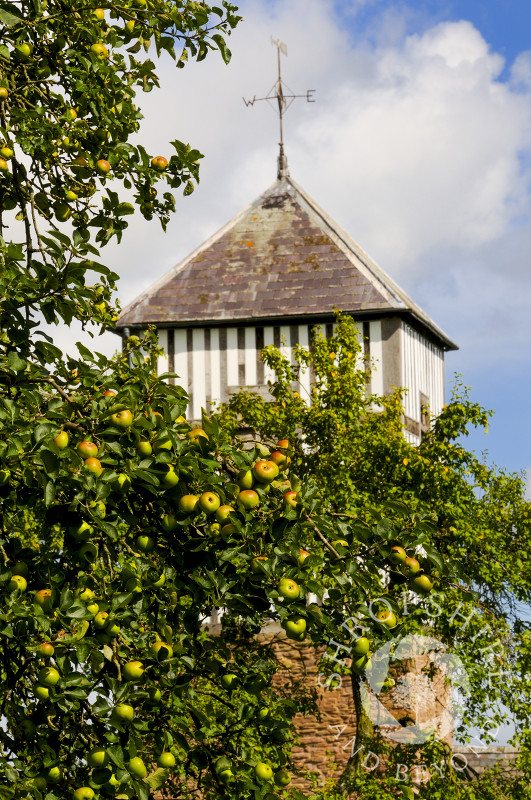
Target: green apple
[(43, 598), (289, 589), (162, 444), (223, 513), (161, 650), (41, 692), (133, 670), (245, 479), (94, 465), (387, 618), (46, 649), (154, 694), (87, 449), (265, 471), (422, 584), (361, 646), (230, 682), (137, 768), (112, 628), (61, 440), (166, 760), (123, 713), (40, 783), (226, 776), (161, 580), (83, 793), (123, 419), (112, 786), (398, 555), (410, 566), (48, 676), (302, 557), (122, 483), (295, 627), (81, 532), (85, 594), (159, 163), (169, 523), (98, 508), (98, 757), (282, 777), (255, 684), (360, 664), (257, 564), (171, 478), (279, 458), (291, 499), (341, 543), (248, 499), (145, 543), (100, 620), (103, 166), (195, 435), (54, 774), (93, 608), (209, 502), (188, 503), (24, 50), (17, 584), (264, 713), (20, 568), (4, 93), (144, 448), (263, 771)]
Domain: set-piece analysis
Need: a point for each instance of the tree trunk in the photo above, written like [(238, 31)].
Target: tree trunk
[(363, 738)]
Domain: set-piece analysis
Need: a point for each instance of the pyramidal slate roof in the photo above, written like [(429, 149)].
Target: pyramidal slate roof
[(281, 257)]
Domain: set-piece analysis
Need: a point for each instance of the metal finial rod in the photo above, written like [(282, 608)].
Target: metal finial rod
[(283, 101)]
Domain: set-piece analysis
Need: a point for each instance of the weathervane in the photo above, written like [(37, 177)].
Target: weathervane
[(284, 97)]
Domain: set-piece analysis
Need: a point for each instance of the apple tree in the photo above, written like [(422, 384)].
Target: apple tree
[(354, 450), (125, 531)]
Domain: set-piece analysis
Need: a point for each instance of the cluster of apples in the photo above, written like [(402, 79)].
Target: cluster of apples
[(263, 772), (410, 568), (102, 776)]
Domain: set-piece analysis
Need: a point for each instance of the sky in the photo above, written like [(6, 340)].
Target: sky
[(418, 145)]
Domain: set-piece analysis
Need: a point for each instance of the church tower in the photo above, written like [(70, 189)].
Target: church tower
[(278, 268)]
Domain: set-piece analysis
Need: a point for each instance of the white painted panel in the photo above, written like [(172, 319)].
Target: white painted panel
[(250, 356), (376, 354), (215, 366), (359, 356), (304, 375), (181, 359), (269, 339), (198, 372), (162, 361), (232, 357)]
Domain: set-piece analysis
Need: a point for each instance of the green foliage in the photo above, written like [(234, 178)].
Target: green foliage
[(352, 445)]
